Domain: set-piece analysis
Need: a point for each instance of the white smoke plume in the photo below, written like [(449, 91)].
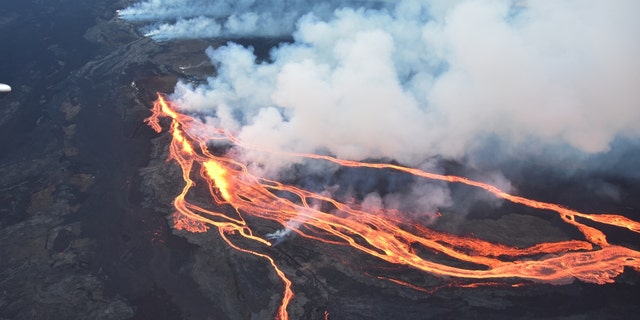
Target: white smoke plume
[(411, 80), (402, 85)]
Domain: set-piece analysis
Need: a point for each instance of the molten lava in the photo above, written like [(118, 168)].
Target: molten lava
[(386, 237)]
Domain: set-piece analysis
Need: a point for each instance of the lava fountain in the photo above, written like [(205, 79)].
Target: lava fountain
[(386, 237)]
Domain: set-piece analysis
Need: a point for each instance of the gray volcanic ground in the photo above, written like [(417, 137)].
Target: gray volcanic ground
[(86, 191)]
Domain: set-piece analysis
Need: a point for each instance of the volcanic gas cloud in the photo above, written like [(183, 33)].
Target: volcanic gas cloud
[(396, 88)]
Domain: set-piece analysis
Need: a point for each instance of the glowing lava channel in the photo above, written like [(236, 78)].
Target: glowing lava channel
[(230, 183)]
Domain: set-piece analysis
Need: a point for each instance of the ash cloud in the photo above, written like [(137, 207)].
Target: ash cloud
[(413, 80)]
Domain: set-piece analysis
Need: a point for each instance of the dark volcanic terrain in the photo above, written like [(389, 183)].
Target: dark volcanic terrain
[(86, 192)]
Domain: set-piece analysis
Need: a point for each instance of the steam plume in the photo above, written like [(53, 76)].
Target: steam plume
[(411, 80)]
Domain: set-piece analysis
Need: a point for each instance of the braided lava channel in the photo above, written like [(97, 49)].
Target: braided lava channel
[(230, 183)]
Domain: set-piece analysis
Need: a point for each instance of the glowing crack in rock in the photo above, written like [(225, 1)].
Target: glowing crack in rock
[(230, 183)]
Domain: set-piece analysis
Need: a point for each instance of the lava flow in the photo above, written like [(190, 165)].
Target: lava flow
[(386, 237)]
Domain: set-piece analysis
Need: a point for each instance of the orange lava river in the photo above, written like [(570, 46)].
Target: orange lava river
[(386, 237)]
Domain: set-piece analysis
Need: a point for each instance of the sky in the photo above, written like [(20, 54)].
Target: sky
[(411, 81)]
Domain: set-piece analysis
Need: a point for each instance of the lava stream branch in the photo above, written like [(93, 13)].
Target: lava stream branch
[(390, 239)]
